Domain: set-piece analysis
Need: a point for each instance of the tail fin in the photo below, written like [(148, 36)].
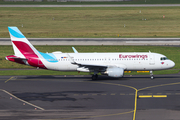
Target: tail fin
[(25, 52), (21, 45)]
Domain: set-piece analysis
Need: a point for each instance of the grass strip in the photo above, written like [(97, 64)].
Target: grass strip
[(100, 22), (39, 72), (50, 72)]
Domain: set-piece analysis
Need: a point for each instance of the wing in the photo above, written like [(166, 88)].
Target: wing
[(95, 67), (91, 67)]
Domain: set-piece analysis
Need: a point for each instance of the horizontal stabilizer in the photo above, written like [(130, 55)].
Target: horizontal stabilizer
[(17, 58)]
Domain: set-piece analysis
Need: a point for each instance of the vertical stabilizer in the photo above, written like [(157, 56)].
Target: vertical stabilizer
[(25, 52), (21, 45)]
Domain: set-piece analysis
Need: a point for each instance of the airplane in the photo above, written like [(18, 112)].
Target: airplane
[(111, 64)]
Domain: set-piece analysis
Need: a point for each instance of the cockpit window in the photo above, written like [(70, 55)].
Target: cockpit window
[(164, 58)]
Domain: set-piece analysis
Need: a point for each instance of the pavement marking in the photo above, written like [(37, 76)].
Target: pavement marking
[(159, 96), (140, 95), (136, 91), (22, 100), (108, 115), (145, 96), (8, 79), (159, 86), (113, 114), (136, 96), (152, 96), (135, 104)]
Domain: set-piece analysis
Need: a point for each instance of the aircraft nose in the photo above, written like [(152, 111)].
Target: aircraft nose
[(172, 64)]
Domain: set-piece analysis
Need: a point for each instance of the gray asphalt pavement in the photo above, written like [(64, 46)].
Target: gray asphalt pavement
[(70, 97), (122, 5), (98, 41)]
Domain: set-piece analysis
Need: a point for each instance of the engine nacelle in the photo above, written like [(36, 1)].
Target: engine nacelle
[(115, 72)]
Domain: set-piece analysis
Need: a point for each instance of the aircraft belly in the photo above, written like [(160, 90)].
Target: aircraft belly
[(137, 66), (61, 66)]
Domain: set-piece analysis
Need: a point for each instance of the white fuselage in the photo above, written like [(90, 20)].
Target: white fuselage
[(128, 61)]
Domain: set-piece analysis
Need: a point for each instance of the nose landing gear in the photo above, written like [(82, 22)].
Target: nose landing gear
[(94, 77), (151, 74)]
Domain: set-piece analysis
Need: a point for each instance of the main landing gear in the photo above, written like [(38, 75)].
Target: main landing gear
[(151, 74), (94, 77)]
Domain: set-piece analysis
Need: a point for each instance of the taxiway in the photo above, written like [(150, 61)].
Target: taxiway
[(78, 97)]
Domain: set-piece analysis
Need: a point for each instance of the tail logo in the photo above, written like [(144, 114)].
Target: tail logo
[(15, 32)]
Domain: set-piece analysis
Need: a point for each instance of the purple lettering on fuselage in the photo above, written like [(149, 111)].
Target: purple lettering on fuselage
[(133, 56)]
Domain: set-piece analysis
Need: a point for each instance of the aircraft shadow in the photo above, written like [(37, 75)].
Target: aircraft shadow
[(100, 77), (54, 96)]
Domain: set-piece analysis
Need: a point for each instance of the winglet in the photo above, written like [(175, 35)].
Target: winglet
[(75, 51)]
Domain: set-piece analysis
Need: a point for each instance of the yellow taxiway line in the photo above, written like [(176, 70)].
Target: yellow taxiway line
[(8, 79), (22, 100), (145, 96), (159, 96), (152, 96)]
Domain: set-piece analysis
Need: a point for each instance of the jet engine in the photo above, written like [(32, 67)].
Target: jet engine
[(115, 72)]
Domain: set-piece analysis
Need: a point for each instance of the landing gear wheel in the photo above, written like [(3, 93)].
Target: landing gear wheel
[(151, 73), (94, 77)]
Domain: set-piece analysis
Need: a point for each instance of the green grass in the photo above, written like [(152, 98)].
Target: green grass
[(87, 3), (92, 22), (50, 72), (39, 72)]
